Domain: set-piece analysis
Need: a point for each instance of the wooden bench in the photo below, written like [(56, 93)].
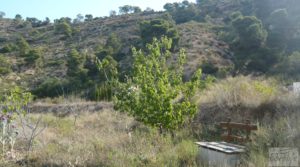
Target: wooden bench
[(229, 127)]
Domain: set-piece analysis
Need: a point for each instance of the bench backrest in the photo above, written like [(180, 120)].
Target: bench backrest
[(229, 126)]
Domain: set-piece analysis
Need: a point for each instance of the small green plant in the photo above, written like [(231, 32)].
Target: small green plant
[(64, 28), (23, 46), (5, 65), (32, 56), (9, 47), (12, 105), (50, 87)]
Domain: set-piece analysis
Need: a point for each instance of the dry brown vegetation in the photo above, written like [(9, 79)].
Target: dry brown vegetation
[(104, 138)]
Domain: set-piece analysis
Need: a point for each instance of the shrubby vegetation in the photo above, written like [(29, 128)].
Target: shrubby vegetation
[(50, 87), (155, 93), (5, 65), (63, 26), (13, 105), (158, 28), (183, 12)]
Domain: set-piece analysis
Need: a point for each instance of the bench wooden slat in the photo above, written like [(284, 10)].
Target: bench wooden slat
[(232, 138), (238, 126)]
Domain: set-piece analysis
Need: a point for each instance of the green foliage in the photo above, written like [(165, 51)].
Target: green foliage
[(23, 46), (109, 68), (250, 30), (101, 91), (209, 68), (155, 93), (111, 48), (32, 56), (278, 29), (88, 17), (129, 9), (9, 47), (114, 42), (75, 64), (183, 11), (5, 65), (50, 87), (158, 28), (13, 104), (63, 27), (289, 67), (15, 101)]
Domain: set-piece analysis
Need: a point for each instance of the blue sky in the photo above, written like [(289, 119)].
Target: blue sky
[(70, 8)]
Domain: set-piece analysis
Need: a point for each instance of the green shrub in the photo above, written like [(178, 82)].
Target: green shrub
[(23, 46), (50, 87), (209, 68), (5, 65), (158, 28), (8, 48), (63, 28), (101, 92), (32, 56), (155, 94)]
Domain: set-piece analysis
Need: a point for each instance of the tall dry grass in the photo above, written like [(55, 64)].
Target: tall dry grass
[(105, 138)]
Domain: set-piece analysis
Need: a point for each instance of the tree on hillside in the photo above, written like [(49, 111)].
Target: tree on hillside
[(279, 29), (182, 12), (2, 14), (250, 30), (112, 13), (62, 26), (79, 18), (75, 64), (88, 17), (136, 9), (111, 48), (289, 68), (23, 46), (34, 21), (148, 10), (124, 9), (18, 17), (155, 94), (129, 9), (5, 65), (156, 29)]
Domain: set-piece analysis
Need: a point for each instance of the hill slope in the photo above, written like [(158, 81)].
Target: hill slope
[(197, 39)]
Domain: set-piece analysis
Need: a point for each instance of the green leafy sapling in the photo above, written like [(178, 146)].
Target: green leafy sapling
[(155, 93)]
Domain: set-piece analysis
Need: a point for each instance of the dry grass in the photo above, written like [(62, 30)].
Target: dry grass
[(105, 138), (241, 98)]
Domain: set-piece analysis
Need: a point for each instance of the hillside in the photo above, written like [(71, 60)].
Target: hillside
[(197, 39)]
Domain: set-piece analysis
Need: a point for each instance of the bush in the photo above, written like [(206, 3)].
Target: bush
[(158, 28), (64, 28), (8, 48), (101, 92), (5, 65), (50, 87), (209, 68), (23, 46), (289, 68), (155, 94), (32, 56)]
